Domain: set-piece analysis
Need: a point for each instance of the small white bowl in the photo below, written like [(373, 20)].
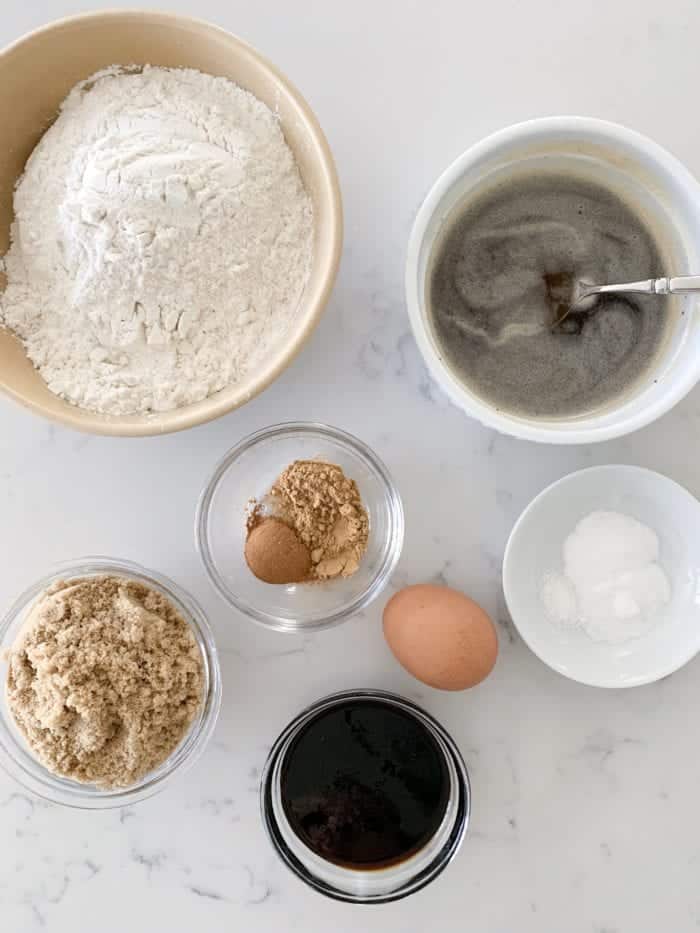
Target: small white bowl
[(649, 177), (535, 547)]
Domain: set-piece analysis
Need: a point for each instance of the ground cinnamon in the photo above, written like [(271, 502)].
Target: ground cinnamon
[(275, 554)]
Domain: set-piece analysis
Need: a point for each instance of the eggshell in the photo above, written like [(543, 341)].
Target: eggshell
[(440, 636)]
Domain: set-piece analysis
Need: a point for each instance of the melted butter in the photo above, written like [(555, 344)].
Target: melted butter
[(505, 269)]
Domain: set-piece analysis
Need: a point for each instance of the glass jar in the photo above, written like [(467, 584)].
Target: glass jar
[(356, 884)]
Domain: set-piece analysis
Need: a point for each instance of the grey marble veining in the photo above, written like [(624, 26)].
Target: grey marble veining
[(585, 801)]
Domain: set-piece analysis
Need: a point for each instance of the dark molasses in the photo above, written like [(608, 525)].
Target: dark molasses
[(364, 784)]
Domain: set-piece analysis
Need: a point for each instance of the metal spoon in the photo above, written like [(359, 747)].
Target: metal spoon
[(680, 285)]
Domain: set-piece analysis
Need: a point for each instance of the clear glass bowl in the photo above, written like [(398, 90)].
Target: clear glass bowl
[(247, 472), (16, 757), (378, 885)]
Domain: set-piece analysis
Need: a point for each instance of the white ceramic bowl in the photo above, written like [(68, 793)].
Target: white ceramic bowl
[(535, 547), (660, 188)]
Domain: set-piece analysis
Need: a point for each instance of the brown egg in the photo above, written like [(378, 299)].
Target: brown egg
[(440, 636)]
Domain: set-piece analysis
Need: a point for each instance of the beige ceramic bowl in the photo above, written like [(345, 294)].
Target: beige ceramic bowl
[(36, 74)]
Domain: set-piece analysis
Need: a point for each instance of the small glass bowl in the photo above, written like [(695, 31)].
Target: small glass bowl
[(16, 757), (368, 886), (247, 472)]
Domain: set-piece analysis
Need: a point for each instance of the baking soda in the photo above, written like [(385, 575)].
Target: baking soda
[(612, 585)]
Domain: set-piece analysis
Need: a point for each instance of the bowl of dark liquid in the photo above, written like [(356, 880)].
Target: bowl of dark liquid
[(365, 797), (498, 250)]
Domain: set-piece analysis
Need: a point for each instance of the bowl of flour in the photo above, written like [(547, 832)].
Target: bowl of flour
[(170, 222)]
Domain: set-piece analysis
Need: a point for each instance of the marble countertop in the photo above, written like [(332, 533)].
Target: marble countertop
[(585, 801)]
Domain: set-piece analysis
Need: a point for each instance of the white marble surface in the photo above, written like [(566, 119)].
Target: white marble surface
[(585, 802)]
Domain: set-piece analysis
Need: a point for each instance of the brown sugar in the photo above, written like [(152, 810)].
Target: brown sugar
[(104, 680)]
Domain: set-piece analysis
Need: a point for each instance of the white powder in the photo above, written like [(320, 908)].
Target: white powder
[(162, 240), (612, 585)]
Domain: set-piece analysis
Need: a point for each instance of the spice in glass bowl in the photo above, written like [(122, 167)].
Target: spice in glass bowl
[(313, 511), (275, 554)]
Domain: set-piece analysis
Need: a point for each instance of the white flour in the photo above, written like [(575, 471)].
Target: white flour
[(162, 240)]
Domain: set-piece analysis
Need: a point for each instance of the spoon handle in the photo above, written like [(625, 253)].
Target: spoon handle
[(681, 284)]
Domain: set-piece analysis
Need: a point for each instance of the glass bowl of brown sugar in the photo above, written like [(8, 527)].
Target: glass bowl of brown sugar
[(237, 496), (93, 714)]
